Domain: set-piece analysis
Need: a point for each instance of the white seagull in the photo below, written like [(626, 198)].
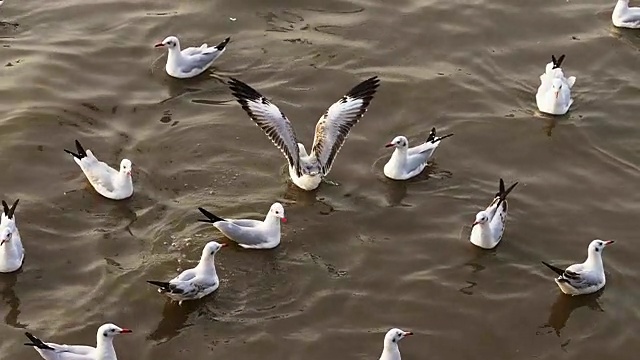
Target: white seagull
[(407, 162), (248, 233), (332, 129), (191, 61), (103, 351), (196, 283), (624, 16), (11, 249), (108, 182), (585, 278), (487, 229), (390, 351), (554, 93)]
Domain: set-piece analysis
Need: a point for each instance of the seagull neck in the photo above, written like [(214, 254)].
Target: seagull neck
[(207, 264), (390, 351), (594, 259), (174, 54), (399, 156), (104, 348), (271, 220)]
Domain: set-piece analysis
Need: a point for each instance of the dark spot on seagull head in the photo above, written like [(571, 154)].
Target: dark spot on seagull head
[(399, 142)]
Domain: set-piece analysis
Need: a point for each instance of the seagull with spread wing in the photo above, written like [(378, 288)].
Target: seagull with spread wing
[(307, 170)]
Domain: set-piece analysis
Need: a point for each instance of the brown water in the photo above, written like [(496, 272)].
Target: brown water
[(355, 259)]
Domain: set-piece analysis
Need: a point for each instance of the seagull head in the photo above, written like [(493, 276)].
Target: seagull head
[(399, 142), (599, 245), (277, 210), (481, 218), (312, 169), (395, 335), (556, 85), (6, 235), (170, 42), (212, 248), (111, 330), (125, 167)]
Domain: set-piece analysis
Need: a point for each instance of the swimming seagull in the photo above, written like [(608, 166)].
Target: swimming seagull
[(196, 283), (554, 93), (191, 61), (585, 278), (103, 351), (390, 351), (407, 162), (11, 249), (251, 234), (332, 129), (108, 182), (487, 229), (624, 16)]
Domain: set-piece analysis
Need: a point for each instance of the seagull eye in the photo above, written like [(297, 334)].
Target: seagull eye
[(212, 252)]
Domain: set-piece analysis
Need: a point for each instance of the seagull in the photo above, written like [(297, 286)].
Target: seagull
[(407, 162), (194, 283), (191, 61), (554, 93), (391, 339), (11, 249), (585, 278), (307, 171), (248, 233), (108, 182), (103, 351), (487, 229), (624, 16)]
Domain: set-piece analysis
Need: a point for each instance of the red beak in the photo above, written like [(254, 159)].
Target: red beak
[(408, 333), (223, 244), (609, 242), (557, 93), (2, 242), (474, 223), (284, 219), (125, 331), (389, 145), (158, 45)]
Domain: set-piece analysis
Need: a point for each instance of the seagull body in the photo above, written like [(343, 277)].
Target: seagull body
[(488, 228), (103, 351), (554, 93), (307, 170), (192, 61), (11, 249), (108, 182), (585, 278), (406, 162), (196, 283), (248, 233), (390, 351), (624, 16)]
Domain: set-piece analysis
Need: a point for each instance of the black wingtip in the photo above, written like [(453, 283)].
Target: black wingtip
[(365, 90), (432, 135), (5, 208), (243, 92), (13, 209), (557, 62), (555, 269), (502, 192), (161, 284), (80, 149), (37, 342), (224, 43), (212, 219)]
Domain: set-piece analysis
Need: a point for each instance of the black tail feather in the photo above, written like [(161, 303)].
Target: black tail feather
[(502, 193), (556, 270), (211, 218), (37, 342), (223, 44), (81, 153)]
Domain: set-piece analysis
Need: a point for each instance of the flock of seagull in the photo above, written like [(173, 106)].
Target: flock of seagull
[(307, 171)]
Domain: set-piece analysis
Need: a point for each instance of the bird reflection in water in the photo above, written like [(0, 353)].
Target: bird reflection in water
[(565, 305), (9, 297), (174, 320)]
